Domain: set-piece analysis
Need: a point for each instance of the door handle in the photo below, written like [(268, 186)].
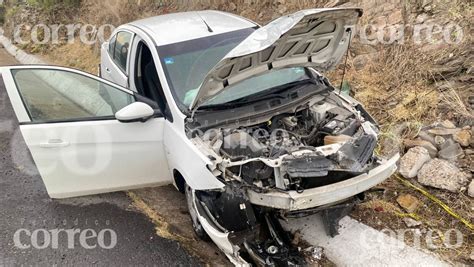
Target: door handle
[(54, 143)]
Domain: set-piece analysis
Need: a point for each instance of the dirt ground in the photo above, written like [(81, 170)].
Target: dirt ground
[(167, 208)]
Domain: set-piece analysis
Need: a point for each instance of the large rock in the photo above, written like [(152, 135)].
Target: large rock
[(470, 190), (448, 124), (442, 174), (413, 160), (463, 137), (432, 150), (423, 135), (451, 152), (443, 131), (447, 142)]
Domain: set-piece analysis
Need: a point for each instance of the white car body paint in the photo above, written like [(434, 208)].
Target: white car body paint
[(109, 70), (135, 111), (327, 194), (178, 27)]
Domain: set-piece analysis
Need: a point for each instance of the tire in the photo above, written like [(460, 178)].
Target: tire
[(197, 227)]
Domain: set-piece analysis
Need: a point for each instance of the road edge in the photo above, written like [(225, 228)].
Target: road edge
[(20, 55)]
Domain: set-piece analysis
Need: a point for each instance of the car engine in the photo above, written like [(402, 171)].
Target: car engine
[(324, 142)]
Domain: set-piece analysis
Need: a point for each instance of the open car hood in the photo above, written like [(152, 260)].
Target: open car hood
[(311, 38)]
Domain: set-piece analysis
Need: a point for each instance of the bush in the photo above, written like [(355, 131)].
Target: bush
[(49, 4)]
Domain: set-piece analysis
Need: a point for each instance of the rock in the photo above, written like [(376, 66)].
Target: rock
[(439, 141), (469, 151), (463, 137), (360, 61), (392, 144), (432, 150), (451, 152), (411, 222), (442, 174), (443, 131), (423, 135), (448, 124), (470, 189), (413, 160), (448, 142), (408, 202)]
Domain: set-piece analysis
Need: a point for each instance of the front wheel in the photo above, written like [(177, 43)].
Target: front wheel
[(197, 226)]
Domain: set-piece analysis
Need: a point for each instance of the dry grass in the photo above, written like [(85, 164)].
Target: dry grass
[(453, 101), (394, 85), (79, 56)]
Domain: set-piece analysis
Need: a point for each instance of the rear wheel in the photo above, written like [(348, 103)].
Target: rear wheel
[(197, 226)]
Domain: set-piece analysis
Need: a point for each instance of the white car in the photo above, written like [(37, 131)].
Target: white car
[(235, 115)]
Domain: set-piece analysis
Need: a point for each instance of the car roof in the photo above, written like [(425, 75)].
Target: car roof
[(178, 27)]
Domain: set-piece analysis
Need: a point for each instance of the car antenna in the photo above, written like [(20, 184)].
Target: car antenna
[(345, 61), (209, 29)]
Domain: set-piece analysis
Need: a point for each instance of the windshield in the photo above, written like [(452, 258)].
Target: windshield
[(259, 84), (187, 63)]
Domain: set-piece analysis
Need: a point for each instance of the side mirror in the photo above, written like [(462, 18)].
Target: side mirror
[(137, 111)]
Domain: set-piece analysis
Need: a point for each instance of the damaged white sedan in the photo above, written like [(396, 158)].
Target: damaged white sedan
[(236, 115)]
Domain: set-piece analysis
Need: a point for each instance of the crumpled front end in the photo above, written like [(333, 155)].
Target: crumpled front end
[(319, 154)]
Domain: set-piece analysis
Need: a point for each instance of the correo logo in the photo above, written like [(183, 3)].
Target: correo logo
[(43, 238)]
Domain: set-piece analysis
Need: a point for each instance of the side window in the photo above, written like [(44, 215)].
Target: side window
[(57, 95), (112, 46), (121, 49)]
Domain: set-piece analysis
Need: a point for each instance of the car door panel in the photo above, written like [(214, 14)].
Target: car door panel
[(89, 155), (105, 62), (83, 158), (110, 60), (111, 72)]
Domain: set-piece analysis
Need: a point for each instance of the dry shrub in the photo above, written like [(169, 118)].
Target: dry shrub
[(452, 100), (79, 56), (394, 86), (117, 12)]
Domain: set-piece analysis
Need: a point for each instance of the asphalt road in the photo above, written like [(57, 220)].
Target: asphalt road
[(35, 230)]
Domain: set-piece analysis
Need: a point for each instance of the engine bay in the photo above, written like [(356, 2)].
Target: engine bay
[(326, 140)]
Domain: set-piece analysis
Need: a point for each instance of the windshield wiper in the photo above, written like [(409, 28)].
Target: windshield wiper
[(272, 93)]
